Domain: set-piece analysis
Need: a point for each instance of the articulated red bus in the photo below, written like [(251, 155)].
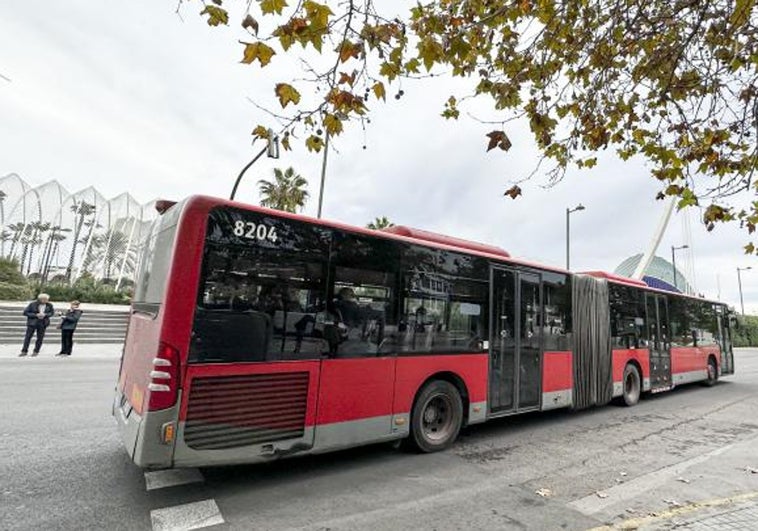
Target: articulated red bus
[(257, 334)]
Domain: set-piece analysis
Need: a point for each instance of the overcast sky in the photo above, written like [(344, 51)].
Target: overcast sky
[(128, 97)]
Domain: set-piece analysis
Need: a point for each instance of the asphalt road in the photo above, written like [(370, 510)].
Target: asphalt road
[(62, 466)]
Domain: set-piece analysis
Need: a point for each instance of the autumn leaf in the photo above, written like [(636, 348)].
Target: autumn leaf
[(318, 14), (451, 109), (286, 143), (332, 124), (273, 6), (688, 198), (378, 89), (513, 192), (286, 94), (348, 50), (498, 139), (216, 15), (260, 132), (257, 50), (250, 23), (430, 51), (314, 143), (389, 70), (346, 78)]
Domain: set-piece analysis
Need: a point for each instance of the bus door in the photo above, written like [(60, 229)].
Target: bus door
[(515, 341), (659, 341), (725, 340)]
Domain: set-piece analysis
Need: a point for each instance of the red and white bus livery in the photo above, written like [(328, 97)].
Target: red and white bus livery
[(257, 334)]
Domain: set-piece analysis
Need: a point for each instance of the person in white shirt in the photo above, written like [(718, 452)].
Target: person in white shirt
[(38, 315)]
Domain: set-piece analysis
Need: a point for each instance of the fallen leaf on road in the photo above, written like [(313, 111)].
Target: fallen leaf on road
[(683, 480), (545, 493), (601, 494)]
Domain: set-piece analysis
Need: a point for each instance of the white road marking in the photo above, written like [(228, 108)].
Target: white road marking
[(592, 504), (161, 479), (188, 516)]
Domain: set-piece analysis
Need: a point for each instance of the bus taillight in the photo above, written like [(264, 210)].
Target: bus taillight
[(164, 378)]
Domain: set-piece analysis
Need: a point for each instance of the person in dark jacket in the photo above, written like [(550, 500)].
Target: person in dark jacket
[(68, 324), (38, 315)]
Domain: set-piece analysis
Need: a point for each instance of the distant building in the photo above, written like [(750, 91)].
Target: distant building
[(659, 274), (57, 235)]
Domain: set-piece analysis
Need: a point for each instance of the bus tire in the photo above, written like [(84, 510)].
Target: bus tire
[(436, 417), (713, 373), (632, 385)]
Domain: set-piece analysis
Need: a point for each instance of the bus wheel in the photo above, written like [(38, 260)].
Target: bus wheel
[(632, 385), (436, 417), (713, 373)]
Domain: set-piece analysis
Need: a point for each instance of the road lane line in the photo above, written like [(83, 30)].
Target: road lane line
[(161, 479), (188, 516)]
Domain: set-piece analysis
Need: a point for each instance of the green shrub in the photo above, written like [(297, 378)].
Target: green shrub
[(85, 291), (10, 273), (15, 292), (13, 285), (746, 334)]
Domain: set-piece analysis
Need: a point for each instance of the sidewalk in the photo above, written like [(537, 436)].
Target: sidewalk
[(52, 347), (718, 490)]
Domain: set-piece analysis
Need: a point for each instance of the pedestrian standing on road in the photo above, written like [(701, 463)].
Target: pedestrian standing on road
[(68, 323), (38, 315)]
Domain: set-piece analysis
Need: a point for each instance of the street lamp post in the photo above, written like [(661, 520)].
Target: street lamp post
[(569, 211), (673, 260), (271, 149), (323, 174), (739, 283)]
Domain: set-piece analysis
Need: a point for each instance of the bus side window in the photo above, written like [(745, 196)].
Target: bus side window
[(556, 324), (627, 317), (362, 305)]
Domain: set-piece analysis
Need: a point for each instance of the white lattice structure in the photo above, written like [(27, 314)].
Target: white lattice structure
[(54, 233)]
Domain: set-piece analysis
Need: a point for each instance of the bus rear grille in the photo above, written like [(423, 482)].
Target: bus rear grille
[(232, 411)]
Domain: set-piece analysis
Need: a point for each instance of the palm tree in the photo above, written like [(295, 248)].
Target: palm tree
[(81, 211), (110, 249), (287, 191), (51, 248), (17, 229), (380, 223), (40, 229)]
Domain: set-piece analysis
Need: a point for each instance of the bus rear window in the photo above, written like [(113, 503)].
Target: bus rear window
[(154, 264)]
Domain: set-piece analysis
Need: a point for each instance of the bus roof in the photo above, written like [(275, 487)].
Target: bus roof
[(435, 237), (618, 279)]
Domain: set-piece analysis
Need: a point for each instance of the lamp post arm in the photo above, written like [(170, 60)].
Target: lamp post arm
[(247, 167)]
